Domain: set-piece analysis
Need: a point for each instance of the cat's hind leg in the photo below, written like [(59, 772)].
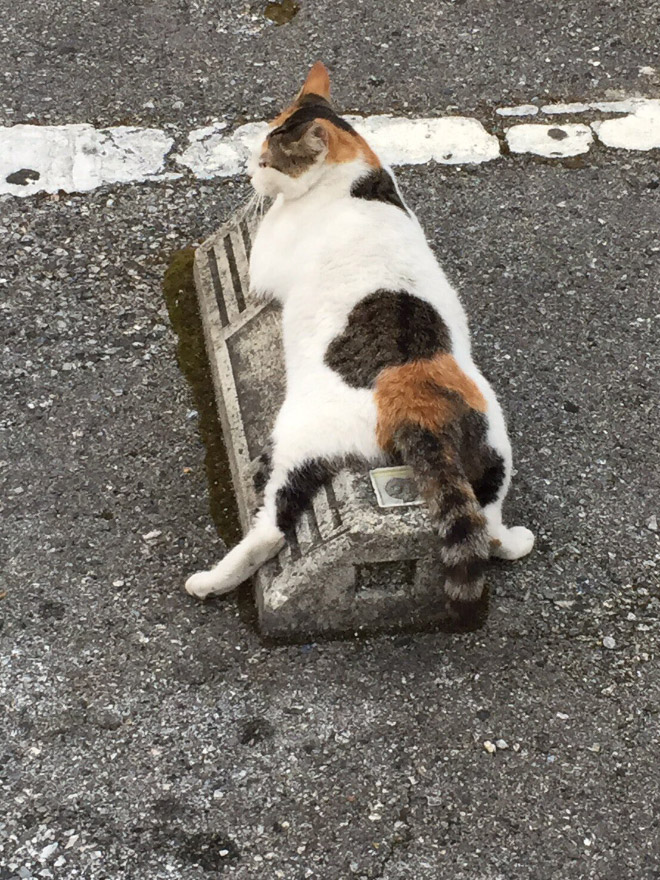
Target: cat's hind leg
[(490, 453), (289, 491), (507, 542), (262, 542)]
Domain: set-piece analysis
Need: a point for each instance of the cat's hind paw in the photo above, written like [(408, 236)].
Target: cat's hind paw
[(513, 543)]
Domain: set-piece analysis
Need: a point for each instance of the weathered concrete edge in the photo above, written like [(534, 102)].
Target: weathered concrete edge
[(221, 374)]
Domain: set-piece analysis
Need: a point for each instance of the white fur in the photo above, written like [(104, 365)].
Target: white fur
[(319, 251), (263, 541)]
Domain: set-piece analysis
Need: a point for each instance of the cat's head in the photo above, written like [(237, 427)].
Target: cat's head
[(305, 139)]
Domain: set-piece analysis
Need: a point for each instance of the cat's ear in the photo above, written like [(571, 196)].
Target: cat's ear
[(316, 137), (317, 82)]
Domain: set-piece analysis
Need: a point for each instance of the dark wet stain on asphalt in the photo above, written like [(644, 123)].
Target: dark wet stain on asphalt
[(181, 299)]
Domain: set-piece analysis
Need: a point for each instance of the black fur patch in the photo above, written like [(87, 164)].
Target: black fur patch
[(386, 329), (467, 616), (465, 573), (313, 107), (302, 484), (263, 471), (486, 488), (484, 466), (378, 186), (459, 531)]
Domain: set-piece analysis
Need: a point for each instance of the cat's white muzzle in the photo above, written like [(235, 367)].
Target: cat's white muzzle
[(268, 181)]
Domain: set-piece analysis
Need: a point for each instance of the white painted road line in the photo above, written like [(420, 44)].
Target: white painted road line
[(212, 153), (625, 105), (520, 110), (638, 131), (78, 158), (550, 141), (449, 140), (556, 109)]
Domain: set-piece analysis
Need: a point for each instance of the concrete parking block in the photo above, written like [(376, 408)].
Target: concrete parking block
[(353, 565)]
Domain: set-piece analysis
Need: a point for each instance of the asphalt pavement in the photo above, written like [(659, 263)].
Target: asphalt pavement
[(145, 735)]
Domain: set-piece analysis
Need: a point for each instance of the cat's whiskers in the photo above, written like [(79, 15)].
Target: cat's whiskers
[(254, 209), (250, 207)]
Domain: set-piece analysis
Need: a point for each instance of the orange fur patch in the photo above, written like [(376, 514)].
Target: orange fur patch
[(412, 394), (283, 116), (344, 146), (317, 82)]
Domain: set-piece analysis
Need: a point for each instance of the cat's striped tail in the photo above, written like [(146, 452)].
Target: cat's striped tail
[(464, 539)]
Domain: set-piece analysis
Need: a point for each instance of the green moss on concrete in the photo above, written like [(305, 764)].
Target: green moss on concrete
[(181, 300)]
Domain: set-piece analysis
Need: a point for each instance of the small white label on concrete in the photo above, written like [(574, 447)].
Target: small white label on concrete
[(395, 487), (550, 141), (77, 158), (637, 131), (520, 110)]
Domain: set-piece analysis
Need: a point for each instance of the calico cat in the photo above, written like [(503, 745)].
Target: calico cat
[(377, 352)]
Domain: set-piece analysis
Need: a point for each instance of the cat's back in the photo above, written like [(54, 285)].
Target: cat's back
[(321, 256), (331, 244)]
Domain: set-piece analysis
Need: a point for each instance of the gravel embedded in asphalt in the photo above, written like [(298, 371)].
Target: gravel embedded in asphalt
[(147, 734), (187, 61)]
